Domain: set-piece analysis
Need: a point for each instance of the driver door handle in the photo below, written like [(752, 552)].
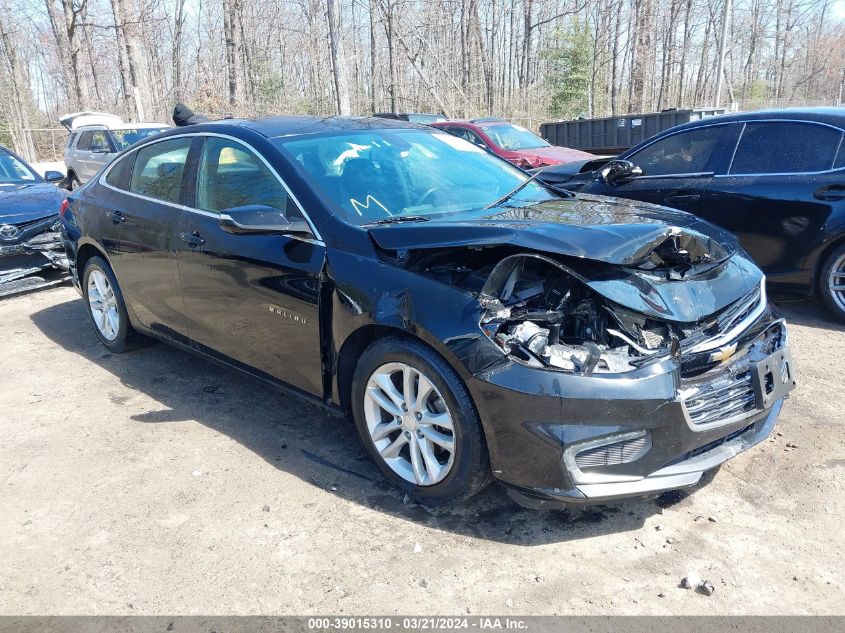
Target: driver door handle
[(683, 196), (115, 216), (830, 192), (192, 239)]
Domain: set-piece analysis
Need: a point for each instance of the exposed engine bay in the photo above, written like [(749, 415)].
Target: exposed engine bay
[(540, 314), (543, 314)]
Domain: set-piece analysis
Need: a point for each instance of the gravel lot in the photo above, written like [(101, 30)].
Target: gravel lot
[(155, 483)]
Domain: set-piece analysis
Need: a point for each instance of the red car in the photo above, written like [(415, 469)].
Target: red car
[(515, 144)]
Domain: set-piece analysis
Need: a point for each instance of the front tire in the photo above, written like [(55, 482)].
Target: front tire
[(72, 182), (832, 282), (418, 423), (106, 308)]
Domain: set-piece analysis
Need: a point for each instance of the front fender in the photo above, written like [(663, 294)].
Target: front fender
[(442, 316)]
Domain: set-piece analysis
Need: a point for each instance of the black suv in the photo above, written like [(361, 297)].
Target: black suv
[(474, 323)]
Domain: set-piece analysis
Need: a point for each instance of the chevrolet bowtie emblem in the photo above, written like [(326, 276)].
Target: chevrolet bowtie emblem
[(723, 353)]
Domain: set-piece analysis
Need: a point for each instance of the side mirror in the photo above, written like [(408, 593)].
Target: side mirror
[(261, 218), (53, 176), (617, 172)]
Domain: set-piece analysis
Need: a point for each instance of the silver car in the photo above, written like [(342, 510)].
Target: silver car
[(95, 138)]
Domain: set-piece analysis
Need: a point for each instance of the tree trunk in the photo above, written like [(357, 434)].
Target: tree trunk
[(176, 63), (20, 98), (230, 43), (336, 53)]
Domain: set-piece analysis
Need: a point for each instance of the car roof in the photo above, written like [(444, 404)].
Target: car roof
[(832, 115), (480, 122), (298, 125)]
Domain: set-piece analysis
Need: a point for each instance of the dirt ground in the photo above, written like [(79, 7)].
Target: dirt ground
[(155, 483)]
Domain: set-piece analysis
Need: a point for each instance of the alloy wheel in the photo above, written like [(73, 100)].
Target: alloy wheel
[(836, 282), (409, 424), (103, 304)]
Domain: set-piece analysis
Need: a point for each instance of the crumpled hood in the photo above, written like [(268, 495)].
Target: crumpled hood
[(21, 203), (592, 231), (591, 227)]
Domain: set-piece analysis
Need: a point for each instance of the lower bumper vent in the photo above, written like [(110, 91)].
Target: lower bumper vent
[(617, 453)]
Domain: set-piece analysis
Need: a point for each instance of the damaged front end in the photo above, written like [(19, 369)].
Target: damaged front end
[(32, 256), (612, 350), (646, 403), (602, 380)]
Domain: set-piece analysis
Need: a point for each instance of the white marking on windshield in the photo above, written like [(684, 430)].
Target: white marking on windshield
[(366, 205)]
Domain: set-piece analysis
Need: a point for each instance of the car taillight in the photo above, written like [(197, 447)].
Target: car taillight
[(64, 207)]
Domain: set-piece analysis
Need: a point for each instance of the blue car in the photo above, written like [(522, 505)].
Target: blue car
[(30, 241)]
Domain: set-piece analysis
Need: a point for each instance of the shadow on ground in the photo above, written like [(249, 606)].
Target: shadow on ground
[(302, 439), (808, 312)]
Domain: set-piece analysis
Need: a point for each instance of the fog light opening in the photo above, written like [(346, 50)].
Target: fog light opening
[(615, 451)]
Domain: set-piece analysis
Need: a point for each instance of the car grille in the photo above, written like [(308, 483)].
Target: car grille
[(726, 398), (739, 311), (15, 249)]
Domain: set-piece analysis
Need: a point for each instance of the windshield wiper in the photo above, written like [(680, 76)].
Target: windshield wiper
[(398, 219), (525, 183)]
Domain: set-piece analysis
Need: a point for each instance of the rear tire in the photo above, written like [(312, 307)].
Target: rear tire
[(832, 282), (106, 308), (429, 443)]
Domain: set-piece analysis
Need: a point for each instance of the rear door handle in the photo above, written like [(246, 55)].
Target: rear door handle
[(683, 196), (830, 192), (116, 216), (192, 239)]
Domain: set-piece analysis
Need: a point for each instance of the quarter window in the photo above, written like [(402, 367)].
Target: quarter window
[(120, 175), (780, 147), (689, 152), (158, 169), (232, 176)]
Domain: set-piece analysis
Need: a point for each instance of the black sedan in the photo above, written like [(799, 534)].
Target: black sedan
[(474, 323), (29, 221), (774, 178)]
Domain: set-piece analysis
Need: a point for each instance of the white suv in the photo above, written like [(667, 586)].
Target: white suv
[(96, 138)]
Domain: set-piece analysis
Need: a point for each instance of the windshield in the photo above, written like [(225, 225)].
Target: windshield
[(372, 176), (513, 137), (14, 171), (127, 137)]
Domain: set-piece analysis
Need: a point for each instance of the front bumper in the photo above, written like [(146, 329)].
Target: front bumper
[(682, 474), (20, 263), (660, 433)]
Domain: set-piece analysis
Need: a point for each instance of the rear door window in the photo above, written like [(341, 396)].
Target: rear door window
[(785, 147), (689, 152), (84, 141), (158, 169), (230, 176)]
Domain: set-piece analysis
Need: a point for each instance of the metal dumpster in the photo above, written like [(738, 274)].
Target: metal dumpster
[(613, 135)]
